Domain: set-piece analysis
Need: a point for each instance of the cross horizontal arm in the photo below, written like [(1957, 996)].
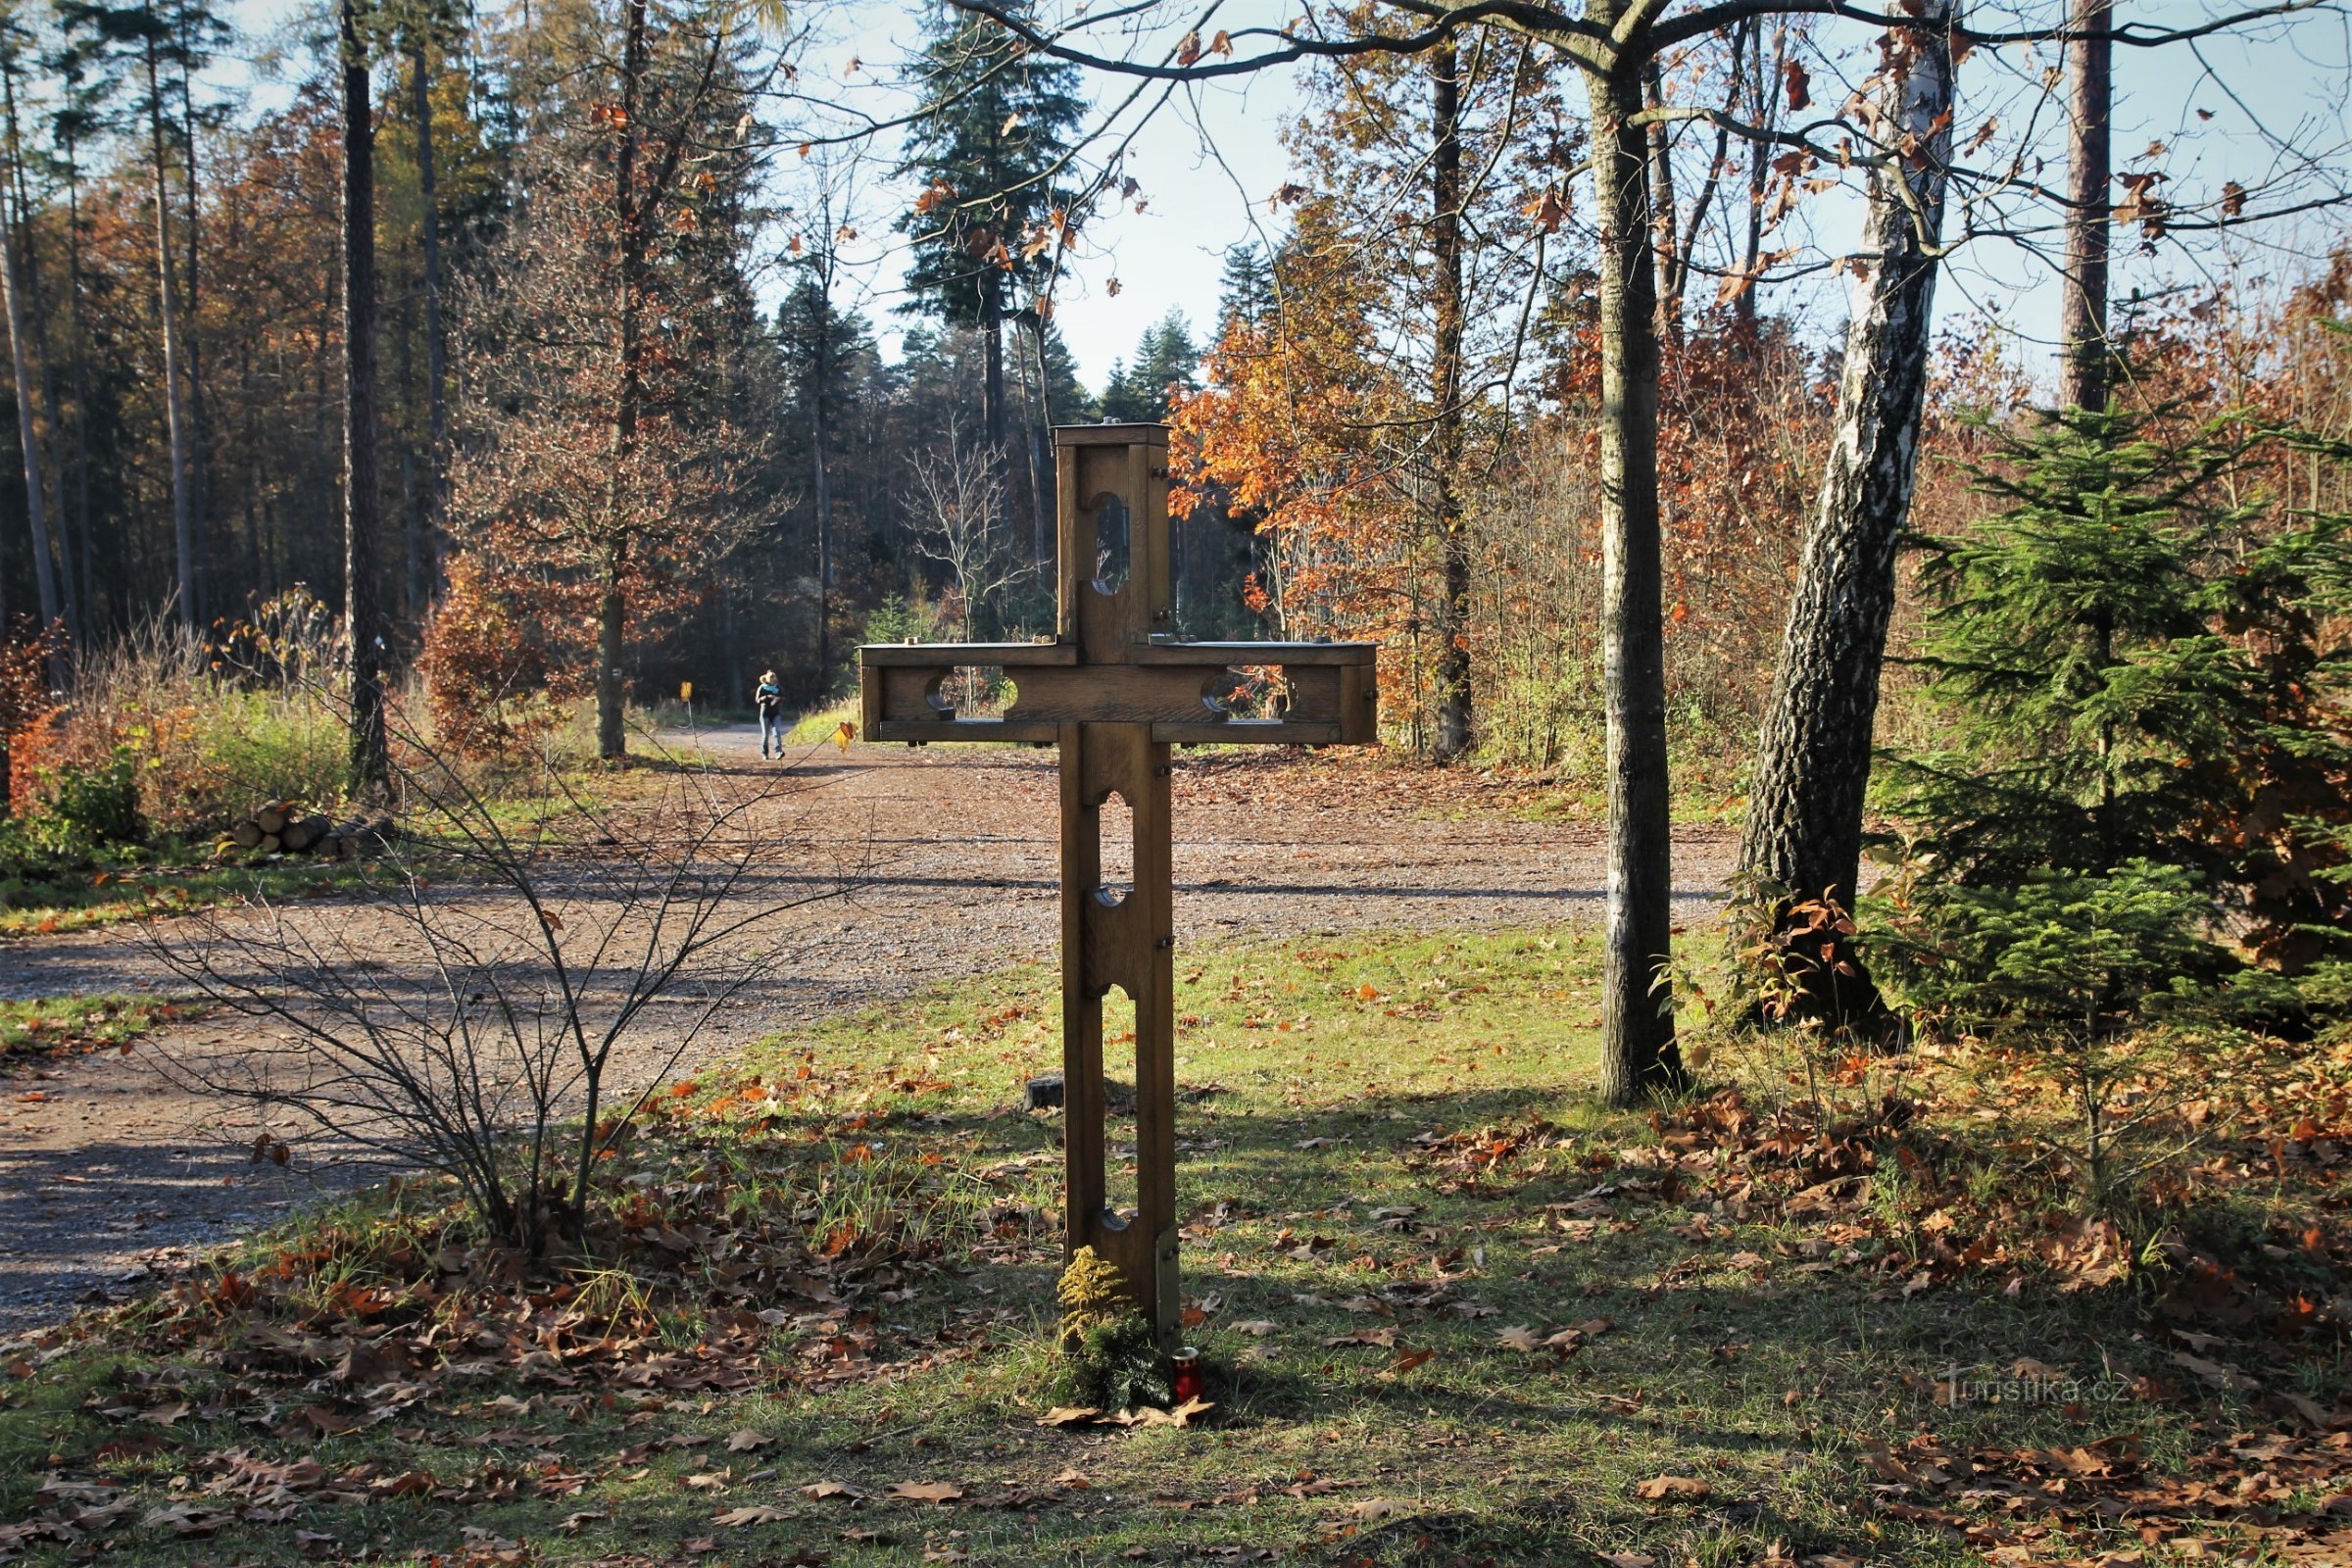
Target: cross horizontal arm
[(964, 656), (1178, 689)]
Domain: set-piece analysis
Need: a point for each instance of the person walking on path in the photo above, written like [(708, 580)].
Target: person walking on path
[(770, 697)]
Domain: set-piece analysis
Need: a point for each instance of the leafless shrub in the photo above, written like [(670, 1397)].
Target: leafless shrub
[(484, 1006)]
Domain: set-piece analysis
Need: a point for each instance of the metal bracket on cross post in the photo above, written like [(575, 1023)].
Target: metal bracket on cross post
[(1114, 690)]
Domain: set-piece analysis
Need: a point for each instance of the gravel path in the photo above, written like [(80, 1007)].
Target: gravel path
[(108, 1172)]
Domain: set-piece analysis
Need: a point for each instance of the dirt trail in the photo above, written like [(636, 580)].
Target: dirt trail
[(106, 1170)]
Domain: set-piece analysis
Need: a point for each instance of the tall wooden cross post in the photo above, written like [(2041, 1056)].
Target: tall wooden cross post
[(1116, 689)]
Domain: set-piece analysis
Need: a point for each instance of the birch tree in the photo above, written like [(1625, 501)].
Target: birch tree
[(1803, 836), (1612, 43)]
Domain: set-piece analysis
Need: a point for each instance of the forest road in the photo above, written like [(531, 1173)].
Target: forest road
[(110, 1173)]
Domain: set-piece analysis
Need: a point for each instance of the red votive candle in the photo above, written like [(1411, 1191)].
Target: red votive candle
[(1185, 1382)]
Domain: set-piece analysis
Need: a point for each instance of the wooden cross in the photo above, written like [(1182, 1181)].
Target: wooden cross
[(1114, 690)]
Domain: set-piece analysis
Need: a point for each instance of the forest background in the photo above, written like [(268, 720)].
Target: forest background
[(679, 346)]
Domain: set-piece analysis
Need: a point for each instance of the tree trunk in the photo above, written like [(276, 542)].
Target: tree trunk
[(1032, 409), (362, 610), (1803, 839), (81, 398), (2082, 376), (1663, 210), (192, 353), (819, 430), (1764, 110), (1453, 621), (992, 382), (611, 743), (37, 511), (1639, 1055), (436, 364), (53, 466), (183, 524)]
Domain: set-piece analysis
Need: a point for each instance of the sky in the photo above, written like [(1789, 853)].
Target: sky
[(2244, 108)]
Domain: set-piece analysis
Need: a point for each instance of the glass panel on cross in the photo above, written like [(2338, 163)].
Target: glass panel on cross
[(1212, 563), (1111, 543)]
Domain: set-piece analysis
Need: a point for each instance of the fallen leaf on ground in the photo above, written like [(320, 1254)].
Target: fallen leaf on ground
[(926, 1491), (742, 1439), (758, 1513), (1659, 1487), (2227, 1378), (1068, 1415), (819, 1491)]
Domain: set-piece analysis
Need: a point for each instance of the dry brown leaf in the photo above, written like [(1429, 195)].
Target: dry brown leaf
[(926, 1491), (742, 1439), (1068, 1415), (1384, 1338), (2226, 1378), (819, 1491), (1657, 1487), (758, 1513)]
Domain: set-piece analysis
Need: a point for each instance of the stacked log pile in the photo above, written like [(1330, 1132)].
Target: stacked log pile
[(288, 827)]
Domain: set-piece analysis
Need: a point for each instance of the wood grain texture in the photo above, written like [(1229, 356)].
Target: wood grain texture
[(1114, 701), (1129, 694), (966, 655)]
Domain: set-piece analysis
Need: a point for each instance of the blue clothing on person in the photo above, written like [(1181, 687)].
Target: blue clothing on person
[(770, 701)]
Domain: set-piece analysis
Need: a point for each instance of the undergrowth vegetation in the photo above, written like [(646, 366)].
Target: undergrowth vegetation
[(1835, 1307)]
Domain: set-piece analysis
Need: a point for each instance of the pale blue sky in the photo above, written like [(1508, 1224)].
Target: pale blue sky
[(1210, 161)]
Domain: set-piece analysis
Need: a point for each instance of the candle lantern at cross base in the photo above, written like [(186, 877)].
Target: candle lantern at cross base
[(1114, 690)]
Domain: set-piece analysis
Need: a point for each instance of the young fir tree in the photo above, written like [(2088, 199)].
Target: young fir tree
[(2107, 654), (1166, 362), (995, 120), (1244, 288)]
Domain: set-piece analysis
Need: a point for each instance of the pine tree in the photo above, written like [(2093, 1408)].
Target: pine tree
[(1246, 288), (1065, 394), (994, 120), (1166, 362), (2142, 729), (824, 349)]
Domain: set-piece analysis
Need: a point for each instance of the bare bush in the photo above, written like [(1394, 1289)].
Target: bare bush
[(486, 1006)]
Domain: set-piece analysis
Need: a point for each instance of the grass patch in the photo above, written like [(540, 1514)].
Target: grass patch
[(143, 885), (52, 1026), (819, 724), (1453, 1311)]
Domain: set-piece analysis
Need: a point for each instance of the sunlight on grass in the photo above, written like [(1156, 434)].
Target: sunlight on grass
[(1453, 1313)]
